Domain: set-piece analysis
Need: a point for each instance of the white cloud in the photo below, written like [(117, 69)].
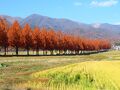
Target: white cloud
[(105, 3), (77, 3)]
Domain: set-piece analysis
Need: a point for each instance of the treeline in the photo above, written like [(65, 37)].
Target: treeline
[(37, 39)]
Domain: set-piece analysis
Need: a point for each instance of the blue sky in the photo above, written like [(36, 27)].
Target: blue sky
[(87, 11)]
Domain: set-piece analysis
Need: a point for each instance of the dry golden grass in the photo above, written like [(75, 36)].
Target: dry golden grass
[(32, 72), (100, 75)]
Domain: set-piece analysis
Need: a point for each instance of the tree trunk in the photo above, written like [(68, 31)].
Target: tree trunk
[(76, 52), (5, 50), (59, 52), (16, 50), (46, 52), (51, 52), (37, 52), (43, 52), (64, 52), (33, 51), (28, 51)]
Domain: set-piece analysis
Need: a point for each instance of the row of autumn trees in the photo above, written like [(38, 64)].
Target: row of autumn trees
[(14, 36)]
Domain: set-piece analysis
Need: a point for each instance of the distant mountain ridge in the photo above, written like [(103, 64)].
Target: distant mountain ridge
[(11, 19), (97, 30)]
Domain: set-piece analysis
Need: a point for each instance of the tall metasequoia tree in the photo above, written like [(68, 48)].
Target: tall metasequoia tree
[(14, 36), (26, 38), (3, 34), (65, 43), (36, 40), (51, 41), (60, 42), (43, 39)]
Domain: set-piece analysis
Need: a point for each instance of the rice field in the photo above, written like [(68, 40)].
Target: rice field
[(89, 75), (81, 72)]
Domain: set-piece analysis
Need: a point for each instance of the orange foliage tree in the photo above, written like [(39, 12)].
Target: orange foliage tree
[(36, 39), (26, 38), (14, 36), (43, 40), (60, 42), (3, 34), (51, 40)]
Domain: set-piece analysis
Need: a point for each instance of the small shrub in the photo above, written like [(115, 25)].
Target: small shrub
[(3, 65)]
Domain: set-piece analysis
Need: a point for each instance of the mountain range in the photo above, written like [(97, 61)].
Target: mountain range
[(97, 30)]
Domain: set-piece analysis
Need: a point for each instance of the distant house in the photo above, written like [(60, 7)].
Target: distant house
[(116, 47)]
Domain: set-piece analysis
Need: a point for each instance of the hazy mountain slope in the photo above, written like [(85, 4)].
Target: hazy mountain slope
[(86, 30), (11, 19)]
